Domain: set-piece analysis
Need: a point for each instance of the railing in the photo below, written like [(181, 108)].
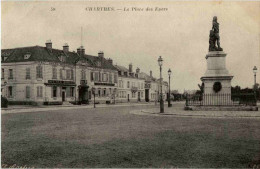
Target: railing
[(221, 99)]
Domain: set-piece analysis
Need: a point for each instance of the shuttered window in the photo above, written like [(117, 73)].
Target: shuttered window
[(3, 74), (115, 78), (83, 75), (61, 74), (68, 77), (10, 74), (72, 74), (39, 91), (27, 89), (39, 71), (110, 78), (96, 76), (10, 91), (92, 76), (28, 73), (54, 73)]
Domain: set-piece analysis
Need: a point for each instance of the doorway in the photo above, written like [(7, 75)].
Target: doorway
[(139, 97), (63, 95), (147, 95)]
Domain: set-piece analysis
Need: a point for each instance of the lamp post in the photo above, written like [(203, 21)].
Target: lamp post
[(114, 95), (255, 71), (169, 96), (94, 93), (160, 60)]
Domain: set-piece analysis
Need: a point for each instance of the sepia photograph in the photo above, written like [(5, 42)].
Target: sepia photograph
[(130, 84)]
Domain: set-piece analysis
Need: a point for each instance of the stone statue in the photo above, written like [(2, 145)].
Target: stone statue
[(214, 36)]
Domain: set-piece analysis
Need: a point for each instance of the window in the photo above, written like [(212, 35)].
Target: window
[(54, 91), (39, 91), (39, 71), (92, 76), (128, 84), (83, 75), (3, 74), (71, 91), (54, 73), (104, 77), (68, 74), (115, 78), (27, 89), (104, 92), (61, 74), (28, 73), (99, 92), (110, 78), (142, 94), (10, 74), (10, 91), (96, 76), (72, 74)]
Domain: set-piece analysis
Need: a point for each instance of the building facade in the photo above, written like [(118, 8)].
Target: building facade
[(43, 75), (130, 85)]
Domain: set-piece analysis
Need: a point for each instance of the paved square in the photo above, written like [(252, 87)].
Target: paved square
[(113, 137)]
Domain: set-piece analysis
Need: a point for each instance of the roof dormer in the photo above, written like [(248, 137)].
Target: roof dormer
[(27, 55)]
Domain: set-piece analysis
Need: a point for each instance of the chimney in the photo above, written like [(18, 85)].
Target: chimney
[(138, 70), (130, 67), (65, 48), (48, 45), (110, 61), (101, 54), (151, 73), (81, 51)]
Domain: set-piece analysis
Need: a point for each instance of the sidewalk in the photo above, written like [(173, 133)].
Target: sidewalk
[(180, 112), (29, 108)]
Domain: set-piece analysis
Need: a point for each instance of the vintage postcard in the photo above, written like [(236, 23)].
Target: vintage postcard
[(130, 84)]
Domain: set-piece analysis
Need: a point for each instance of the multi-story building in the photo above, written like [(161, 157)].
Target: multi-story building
[(96, 75), (152, 88), (130, 85), (37, 75), (43, 75)]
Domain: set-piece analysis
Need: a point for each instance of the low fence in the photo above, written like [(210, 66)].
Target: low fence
[(221, 99)]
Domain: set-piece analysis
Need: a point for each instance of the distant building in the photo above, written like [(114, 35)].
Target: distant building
[(130, 85), (152, 88)]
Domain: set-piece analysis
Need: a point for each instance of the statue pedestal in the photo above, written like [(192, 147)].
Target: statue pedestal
[(216, 72)]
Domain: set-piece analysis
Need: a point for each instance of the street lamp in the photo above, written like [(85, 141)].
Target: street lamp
[(255, 71), (160, 60), (169, 96), (94, 93), (114, 92)]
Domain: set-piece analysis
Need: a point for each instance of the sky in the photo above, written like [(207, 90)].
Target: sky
[(179, 34)]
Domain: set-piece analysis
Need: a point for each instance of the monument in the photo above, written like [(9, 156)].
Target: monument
[(216, 81)]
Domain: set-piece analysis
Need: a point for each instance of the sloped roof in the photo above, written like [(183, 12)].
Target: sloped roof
[(39, 53), (147, 77), (93, 60), (121, 68)]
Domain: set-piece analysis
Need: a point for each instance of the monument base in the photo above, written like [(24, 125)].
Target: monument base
[(216, 80)]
